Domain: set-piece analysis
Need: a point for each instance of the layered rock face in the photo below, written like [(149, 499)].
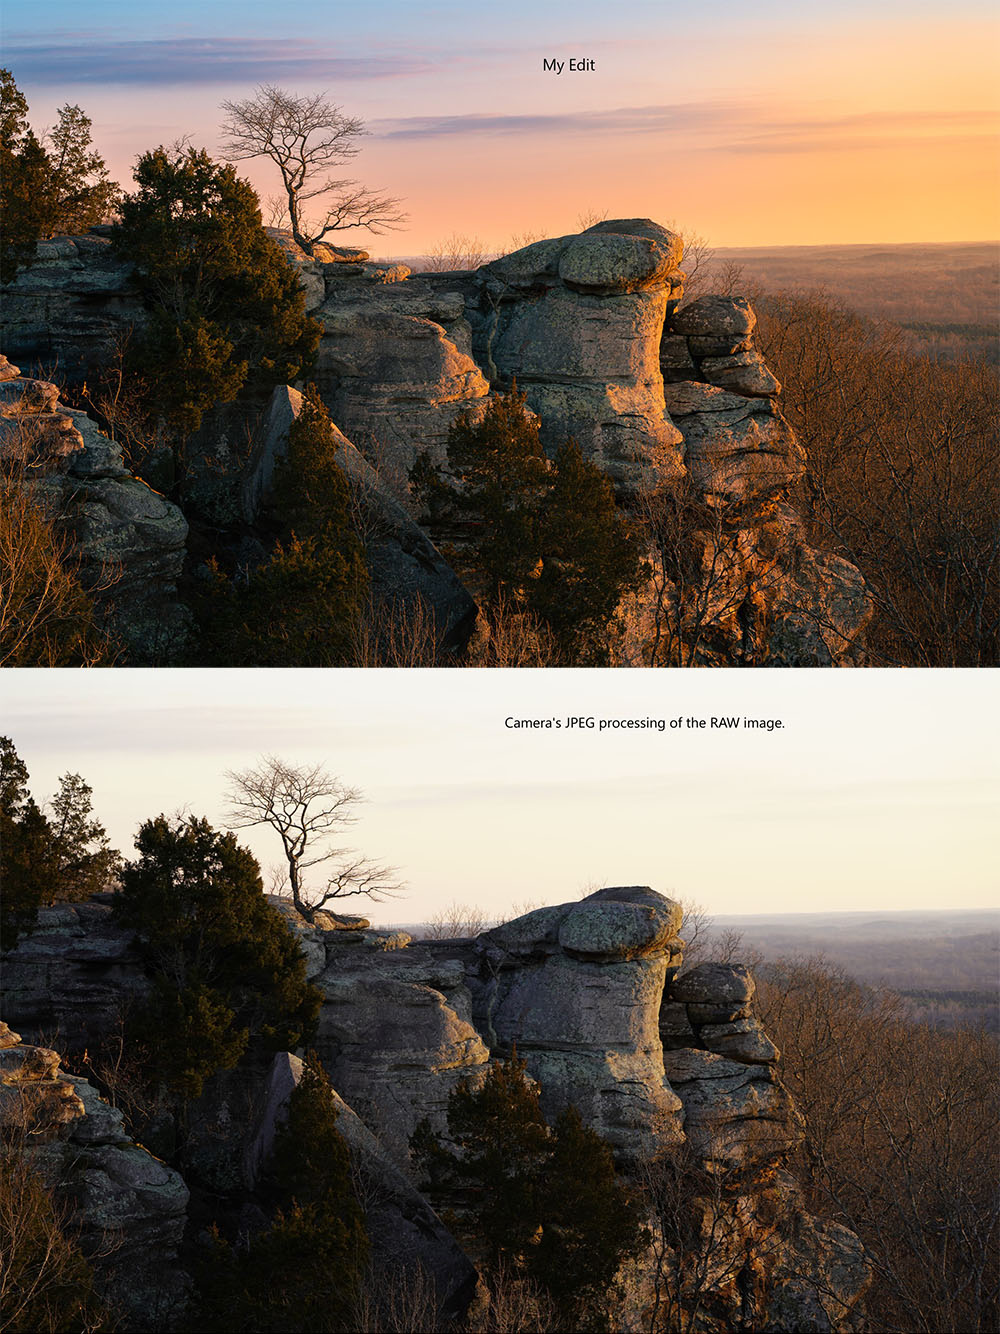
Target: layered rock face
[(593, 995), (71, 307), (577, 990), (764, 590), (76, 974), (128, 540), (577, 322), (394, 364), (406, 570), (126, 1209), (667, 399)]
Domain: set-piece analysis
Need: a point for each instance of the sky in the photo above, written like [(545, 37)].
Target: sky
[(779, 123), (879, 793)]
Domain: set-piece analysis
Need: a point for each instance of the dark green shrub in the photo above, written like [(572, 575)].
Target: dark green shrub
[(25, 846), (303, 1272), (544, 1203), (227, 968), (227, 310), (543, 537), (301, 607)]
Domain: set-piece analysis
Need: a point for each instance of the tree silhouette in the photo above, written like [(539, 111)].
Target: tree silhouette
[(308, 808), (308, 138)]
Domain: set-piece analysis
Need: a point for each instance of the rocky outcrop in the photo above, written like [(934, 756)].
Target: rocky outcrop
[(396, 1032), (405, 569), (672, 401), (665, 1063), (407, 1237), (395, 363), (128, 540), (577, 990), (75, 975), (69, 310), (577, 322), (126, 1210)]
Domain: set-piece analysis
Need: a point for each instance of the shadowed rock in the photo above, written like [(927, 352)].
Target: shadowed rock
[(126, 1209), (577, 989), (405, 567), (406, 1235)]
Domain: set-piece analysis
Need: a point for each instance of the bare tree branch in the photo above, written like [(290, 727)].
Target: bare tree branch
[(306, 138), (307, 807)]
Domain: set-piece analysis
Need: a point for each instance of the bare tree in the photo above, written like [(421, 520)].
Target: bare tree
[(308, 138), (458, 252), (308, 807), (901, 1143), (458, 920)]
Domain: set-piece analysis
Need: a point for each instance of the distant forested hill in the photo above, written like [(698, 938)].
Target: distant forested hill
[(944, 964), (946, 296)]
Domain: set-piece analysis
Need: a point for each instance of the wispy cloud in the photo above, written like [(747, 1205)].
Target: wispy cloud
[(744, 128), (95, 59), (683, 117), (871, 129)]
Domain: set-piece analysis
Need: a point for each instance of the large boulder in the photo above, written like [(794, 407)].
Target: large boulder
[(394, 377), (735, 1114), (577, 322), (735, 447), (577, 991)]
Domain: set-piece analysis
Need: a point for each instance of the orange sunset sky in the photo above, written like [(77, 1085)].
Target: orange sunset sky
[(774, 123)]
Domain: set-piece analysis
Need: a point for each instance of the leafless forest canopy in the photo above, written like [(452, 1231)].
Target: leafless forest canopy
[(946, 297), (944, 965)]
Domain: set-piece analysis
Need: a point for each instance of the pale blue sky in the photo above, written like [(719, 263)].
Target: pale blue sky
[(881, 793), (773, 123)]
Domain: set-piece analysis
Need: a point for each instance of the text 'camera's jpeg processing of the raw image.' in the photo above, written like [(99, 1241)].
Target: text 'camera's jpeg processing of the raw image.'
[(646, 338)]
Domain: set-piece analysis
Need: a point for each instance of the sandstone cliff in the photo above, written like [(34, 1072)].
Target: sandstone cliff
[(670, 400), (128, 540), (124, 1208), (667, 1064)]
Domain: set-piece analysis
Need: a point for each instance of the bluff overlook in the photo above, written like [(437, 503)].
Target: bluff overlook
[(663, 1063), (668, 400)]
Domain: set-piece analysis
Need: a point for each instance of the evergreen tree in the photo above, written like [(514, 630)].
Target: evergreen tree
[(305, 1269), (544, 1201), (25, 850), (546, 537), (310, 494), (591, 556), (82, 193), (25, 181), (591, 1224), (60, 184), (504, 478), (85, 862), (300, 608), (227, 310), (227, 968)]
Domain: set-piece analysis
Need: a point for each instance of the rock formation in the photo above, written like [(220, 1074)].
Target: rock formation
[(405, 569), (128, 540), (668, 399), (126, 1209), (577, 321), (659, 1060)]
